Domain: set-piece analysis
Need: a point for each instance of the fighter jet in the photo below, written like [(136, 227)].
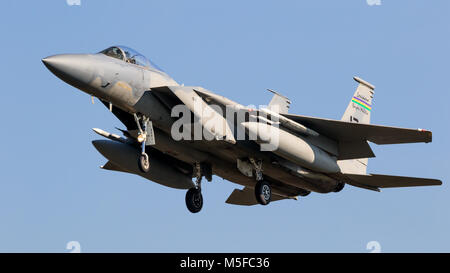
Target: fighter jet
[(177, 135)]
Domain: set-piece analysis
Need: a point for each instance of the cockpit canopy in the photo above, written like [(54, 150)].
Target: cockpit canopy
[(129, 55)]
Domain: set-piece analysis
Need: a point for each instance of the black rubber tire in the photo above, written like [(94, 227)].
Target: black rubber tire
[(194, 200), (144, 163), (263, 192)]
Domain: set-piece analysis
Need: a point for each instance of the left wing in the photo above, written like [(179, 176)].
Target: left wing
[(355, 132), (376, 181)]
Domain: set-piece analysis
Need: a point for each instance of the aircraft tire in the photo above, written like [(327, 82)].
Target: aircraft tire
[(194, 200), (263, 192), (144, 163)]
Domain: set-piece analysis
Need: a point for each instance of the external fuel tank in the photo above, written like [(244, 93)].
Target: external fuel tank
[(292, 147)]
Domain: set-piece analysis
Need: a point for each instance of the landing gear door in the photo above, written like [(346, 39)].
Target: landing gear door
[(150, 137)]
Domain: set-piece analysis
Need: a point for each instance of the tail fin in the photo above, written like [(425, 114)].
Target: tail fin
[(358, 111), (359, 108), (279, 103)]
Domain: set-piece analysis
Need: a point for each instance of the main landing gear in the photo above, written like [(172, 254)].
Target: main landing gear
[(146, 137), (263, 190), (194, 198)]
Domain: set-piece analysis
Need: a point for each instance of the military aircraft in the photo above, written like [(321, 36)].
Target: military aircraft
[(273, 154)]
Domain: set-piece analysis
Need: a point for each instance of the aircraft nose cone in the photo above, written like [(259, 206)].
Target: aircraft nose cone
[(61, 63), (74, 69), (46, 61)]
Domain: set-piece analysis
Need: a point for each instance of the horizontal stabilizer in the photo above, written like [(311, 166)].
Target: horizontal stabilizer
[(353, 132), (376, 181), (246, 197)]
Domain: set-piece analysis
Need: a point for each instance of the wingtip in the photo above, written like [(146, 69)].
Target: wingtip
[(438, 182), (429, 135)]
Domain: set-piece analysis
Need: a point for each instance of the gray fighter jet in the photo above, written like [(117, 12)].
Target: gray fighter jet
[(176, 135)]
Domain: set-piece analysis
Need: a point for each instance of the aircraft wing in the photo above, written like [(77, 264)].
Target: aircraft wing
[(376, 181), (246, 197), (207, 115), (353, 132)]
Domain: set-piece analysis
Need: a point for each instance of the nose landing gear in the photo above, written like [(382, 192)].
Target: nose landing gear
[(144, 163), (146, 137)]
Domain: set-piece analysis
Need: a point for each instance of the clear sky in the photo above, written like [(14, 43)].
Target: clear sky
[(52, 190)]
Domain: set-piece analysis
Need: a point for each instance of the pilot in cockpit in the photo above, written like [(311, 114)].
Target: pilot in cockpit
[(129, 55)]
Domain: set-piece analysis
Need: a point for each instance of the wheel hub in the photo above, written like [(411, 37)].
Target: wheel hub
[(266, 192), (197, 201)]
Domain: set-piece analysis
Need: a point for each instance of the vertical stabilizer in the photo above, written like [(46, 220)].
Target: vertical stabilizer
[(358, 111), (279, 103), (359, 108)]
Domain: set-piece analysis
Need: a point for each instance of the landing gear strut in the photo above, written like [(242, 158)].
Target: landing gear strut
[(257, 166), (145, 137), (263, 190)]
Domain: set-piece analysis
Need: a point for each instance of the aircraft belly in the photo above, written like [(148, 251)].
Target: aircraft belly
[(230, 173), (181, 150), (225, 162)]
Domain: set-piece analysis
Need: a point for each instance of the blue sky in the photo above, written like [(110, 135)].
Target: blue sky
[(52, 190)]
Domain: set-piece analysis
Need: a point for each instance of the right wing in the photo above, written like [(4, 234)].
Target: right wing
[(376, 181)]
